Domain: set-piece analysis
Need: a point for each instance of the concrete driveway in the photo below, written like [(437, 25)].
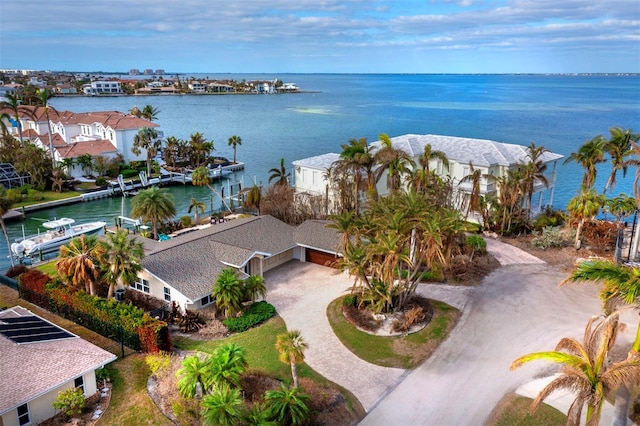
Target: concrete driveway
[(301, 293)]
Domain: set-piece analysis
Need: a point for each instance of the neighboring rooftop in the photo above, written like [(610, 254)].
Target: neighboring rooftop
[(30, 369)]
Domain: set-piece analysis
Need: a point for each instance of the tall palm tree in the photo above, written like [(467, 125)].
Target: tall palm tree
[(194, 376), (200, 149), (153, 205), (474, 177), (13, 103), (291, 347), (42, 101), (280, 175), (150, 112), (588, 156), (147, 139), (197, 206), (584, 207), (120, 255), (619, 148), (227, 365), (86, 162), (234, 141), (223, 406), (79, 262), (533, 172), (228, 292), (287, 405), (620, 285), (254, 287), (585, 369), (635, 162), (200, 177), (391, 159)]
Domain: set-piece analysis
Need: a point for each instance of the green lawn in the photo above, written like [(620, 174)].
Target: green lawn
[(259, 344), (394, 351), (513, 410), (48, 196)]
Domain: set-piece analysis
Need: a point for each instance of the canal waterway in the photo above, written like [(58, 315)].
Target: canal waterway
[(559, 112)]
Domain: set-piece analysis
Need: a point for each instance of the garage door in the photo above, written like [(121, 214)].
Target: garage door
[(319, 257)]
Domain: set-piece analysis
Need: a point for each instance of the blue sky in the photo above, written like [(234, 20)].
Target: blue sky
[(308, 36)]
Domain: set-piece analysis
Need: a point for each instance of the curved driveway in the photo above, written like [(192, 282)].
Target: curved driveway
[(517, 309)]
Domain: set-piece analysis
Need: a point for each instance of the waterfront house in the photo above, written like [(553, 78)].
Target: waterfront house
[(101, 87), (40, 359), (105, 133), (491, 158), (184, 268), (197, 87)]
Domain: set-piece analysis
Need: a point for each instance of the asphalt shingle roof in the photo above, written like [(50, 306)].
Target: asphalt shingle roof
[(28, 370)]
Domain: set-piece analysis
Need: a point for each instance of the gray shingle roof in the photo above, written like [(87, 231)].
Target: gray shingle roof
[(315, 234), (320, 162), (190, 263)]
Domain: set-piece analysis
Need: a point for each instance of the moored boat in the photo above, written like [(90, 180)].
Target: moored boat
[(58, 232)]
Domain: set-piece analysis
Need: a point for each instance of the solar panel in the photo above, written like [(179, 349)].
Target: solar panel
[(29, 329)]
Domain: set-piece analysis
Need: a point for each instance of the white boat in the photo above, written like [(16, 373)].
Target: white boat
[(59, 232)]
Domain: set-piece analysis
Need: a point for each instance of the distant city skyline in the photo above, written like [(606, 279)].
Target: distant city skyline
[(330, 36)]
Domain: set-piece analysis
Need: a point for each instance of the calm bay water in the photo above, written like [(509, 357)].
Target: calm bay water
[(558, 112)]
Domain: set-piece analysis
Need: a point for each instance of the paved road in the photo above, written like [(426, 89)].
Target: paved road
[(518, 309)]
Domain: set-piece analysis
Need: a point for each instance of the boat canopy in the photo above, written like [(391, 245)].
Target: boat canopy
[(62, 222)]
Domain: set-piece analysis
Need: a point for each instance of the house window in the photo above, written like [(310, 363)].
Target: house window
[(206, 300), (23, 415), (78, 383), (315, 178), (141, 285), (167, 294)]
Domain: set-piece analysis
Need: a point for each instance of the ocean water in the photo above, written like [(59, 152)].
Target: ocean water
[(559, 112)]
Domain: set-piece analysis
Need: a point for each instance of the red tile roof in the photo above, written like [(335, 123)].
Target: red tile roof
[(93, 148)]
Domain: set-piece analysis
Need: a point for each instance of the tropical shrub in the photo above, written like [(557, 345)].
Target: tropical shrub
[(549, 217), (69, 401), (257, 313), (185, 221), (550, 237), (34, 195), (13, 195), (191, 321), (129, 173), (410, 317), (158, 362), (101, 181)]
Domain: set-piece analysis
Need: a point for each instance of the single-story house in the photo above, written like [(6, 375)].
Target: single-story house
[(184, 269), (40, 359)]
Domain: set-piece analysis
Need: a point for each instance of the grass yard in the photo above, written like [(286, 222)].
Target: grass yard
[(398, 351), (513, 410), (48, 196)]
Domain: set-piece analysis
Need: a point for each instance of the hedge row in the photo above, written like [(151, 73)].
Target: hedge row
[(153, 334), (256, 314)]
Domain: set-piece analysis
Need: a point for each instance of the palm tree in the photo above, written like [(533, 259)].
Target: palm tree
[(200, 149), (588, 156), (121, 257), (620, 285), (287, 405), (228, 292), (153, 205), (196, 205), (474, 178), (13, 103), (619, 148), (86, 162), (222, 406), (533, 172), (147, 139), (585, 369), (43, 96), (227, 365), (621, 206), (149, 112), (254, 287), (5, 206), (395, 160), (200, 177), (234, 141), (291, 347), (79, 262), (636, 163), (257, 415), (253, 198), (583, 207), (194, 376), (280, 175)]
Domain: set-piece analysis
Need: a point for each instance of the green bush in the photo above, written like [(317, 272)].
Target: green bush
[(476, 243), (158, 362), (34, 195), (69, 401), (350, 300), (129, 173), (256, 314), (185, 221), (549, 217), (550, 237), (101, 181), (14, 195)]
